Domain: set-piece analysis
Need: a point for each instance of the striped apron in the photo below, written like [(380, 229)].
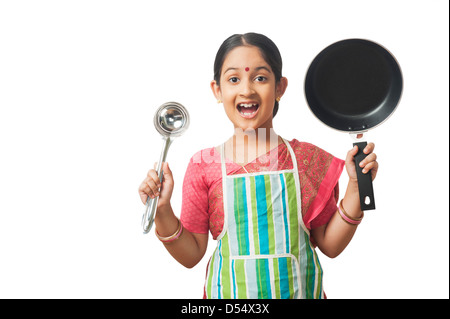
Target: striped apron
[(264, 249)]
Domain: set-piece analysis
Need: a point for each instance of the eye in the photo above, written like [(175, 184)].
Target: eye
[(260, 78), (233, 79)]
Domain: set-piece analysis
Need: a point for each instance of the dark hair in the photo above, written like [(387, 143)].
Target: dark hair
[(268, 49)]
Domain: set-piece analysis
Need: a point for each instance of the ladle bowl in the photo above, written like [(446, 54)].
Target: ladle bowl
[(171, 120)]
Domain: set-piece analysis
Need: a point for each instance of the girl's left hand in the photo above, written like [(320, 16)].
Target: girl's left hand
[(368, 164)]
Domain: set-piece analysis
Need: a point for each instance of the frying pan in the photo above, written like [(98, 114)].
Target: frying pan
[(352, 86)]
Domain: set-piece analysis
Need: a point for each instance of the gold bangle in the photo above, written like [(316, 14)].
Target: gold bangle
[(172, 237), (345, 213)]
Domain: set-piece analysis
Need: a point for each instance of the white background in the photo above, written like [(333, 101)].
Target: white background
[(81, 80)]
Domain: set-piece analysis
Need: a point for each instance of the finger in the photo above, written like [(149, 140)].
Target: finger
[(352, 153), (369, 167), (144, 198), (374, 171), (152, 188), (369, 158), (143, 190), (148, 188), (166, 168), (167, 173), (369, 148), (152, 174)]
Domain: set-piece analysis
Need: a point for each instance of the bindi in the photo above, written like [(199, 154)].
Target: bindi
[(247, 69)]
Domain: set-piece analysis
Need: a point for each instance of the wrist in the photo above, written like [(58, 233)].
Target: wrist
[(353, 185), (163, 204), (163, 211), (165, 220), (351, 202)]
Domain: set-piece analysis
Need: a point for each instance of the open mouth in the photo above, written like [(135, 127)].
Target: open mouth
[(248, 110)]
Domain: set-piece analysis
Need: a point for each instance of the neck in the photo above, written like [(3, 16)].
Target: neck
[(245, 146)]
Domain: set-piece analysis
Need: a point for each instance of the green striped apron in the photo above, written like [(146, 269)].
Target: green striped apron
[(264, 249)]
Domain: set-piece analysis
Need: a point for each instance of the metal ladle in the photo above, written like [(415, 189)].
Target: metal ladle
[(171, 120)]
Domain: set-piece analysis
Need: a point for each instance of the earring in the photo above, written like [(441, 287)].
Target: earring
[(219, 101), (278, 99)]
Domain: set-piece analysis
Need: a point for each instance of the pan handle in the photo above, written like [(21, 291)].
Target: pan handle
[(365, 185)]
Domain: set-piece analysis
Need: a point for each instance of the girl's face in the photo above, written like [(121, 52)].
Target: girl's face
[(248, 89)]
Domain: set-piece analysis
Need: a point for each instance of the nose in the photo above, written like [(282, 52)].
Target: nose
[(247, 88)]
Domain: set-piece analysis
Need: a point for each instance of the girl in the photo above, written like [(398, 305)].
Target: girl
[(268, 202)]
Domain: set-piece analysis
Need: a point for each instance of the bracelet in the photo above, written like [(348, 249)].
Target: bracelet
[(347, 218), (172, 237)]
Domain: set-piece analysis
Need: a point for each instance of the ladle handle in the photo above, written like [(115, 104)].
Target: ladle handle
[(151, 204)]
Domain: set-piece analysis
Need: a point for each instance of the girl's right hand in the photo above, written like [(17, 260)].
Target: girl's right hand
[(151, 187)]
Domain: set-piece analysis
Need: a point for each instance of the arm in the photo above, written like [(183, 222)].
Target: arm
[(333, 237), (189, 248)]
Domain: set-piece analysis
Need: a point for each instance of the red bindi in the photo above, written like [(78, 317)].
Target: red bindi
[(247, 69)]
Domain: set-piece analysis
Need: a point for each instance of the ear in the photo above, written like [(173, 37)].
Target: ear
[(281, 87), (216, 90)]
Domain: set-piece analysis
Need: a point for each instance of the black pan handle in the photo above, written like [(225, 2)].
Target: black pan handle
[(365, 186)]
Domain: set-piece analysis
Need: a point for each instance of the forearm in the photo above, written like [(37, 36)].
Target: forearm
[(337, 234), (188, 250)]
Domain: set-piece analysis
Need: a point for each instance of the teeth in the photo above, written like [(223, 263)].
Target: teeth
[(248, 114), (247, 105)]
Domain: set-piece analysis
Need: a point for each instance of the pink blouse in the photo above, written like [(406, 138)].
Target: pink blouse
[(319, 172)]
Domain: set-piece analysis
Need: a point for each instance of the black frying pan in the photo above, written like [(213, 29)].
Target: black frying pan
[(354, 85)]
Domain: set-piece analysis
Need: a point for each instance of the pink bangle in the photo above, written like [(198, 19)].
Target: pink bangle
[(347, 218), (179, 233), (173, 237)]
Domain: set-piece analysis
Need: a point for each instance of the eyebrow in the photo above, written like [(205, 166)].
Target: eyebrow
[(256, 69), (263, 68)]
